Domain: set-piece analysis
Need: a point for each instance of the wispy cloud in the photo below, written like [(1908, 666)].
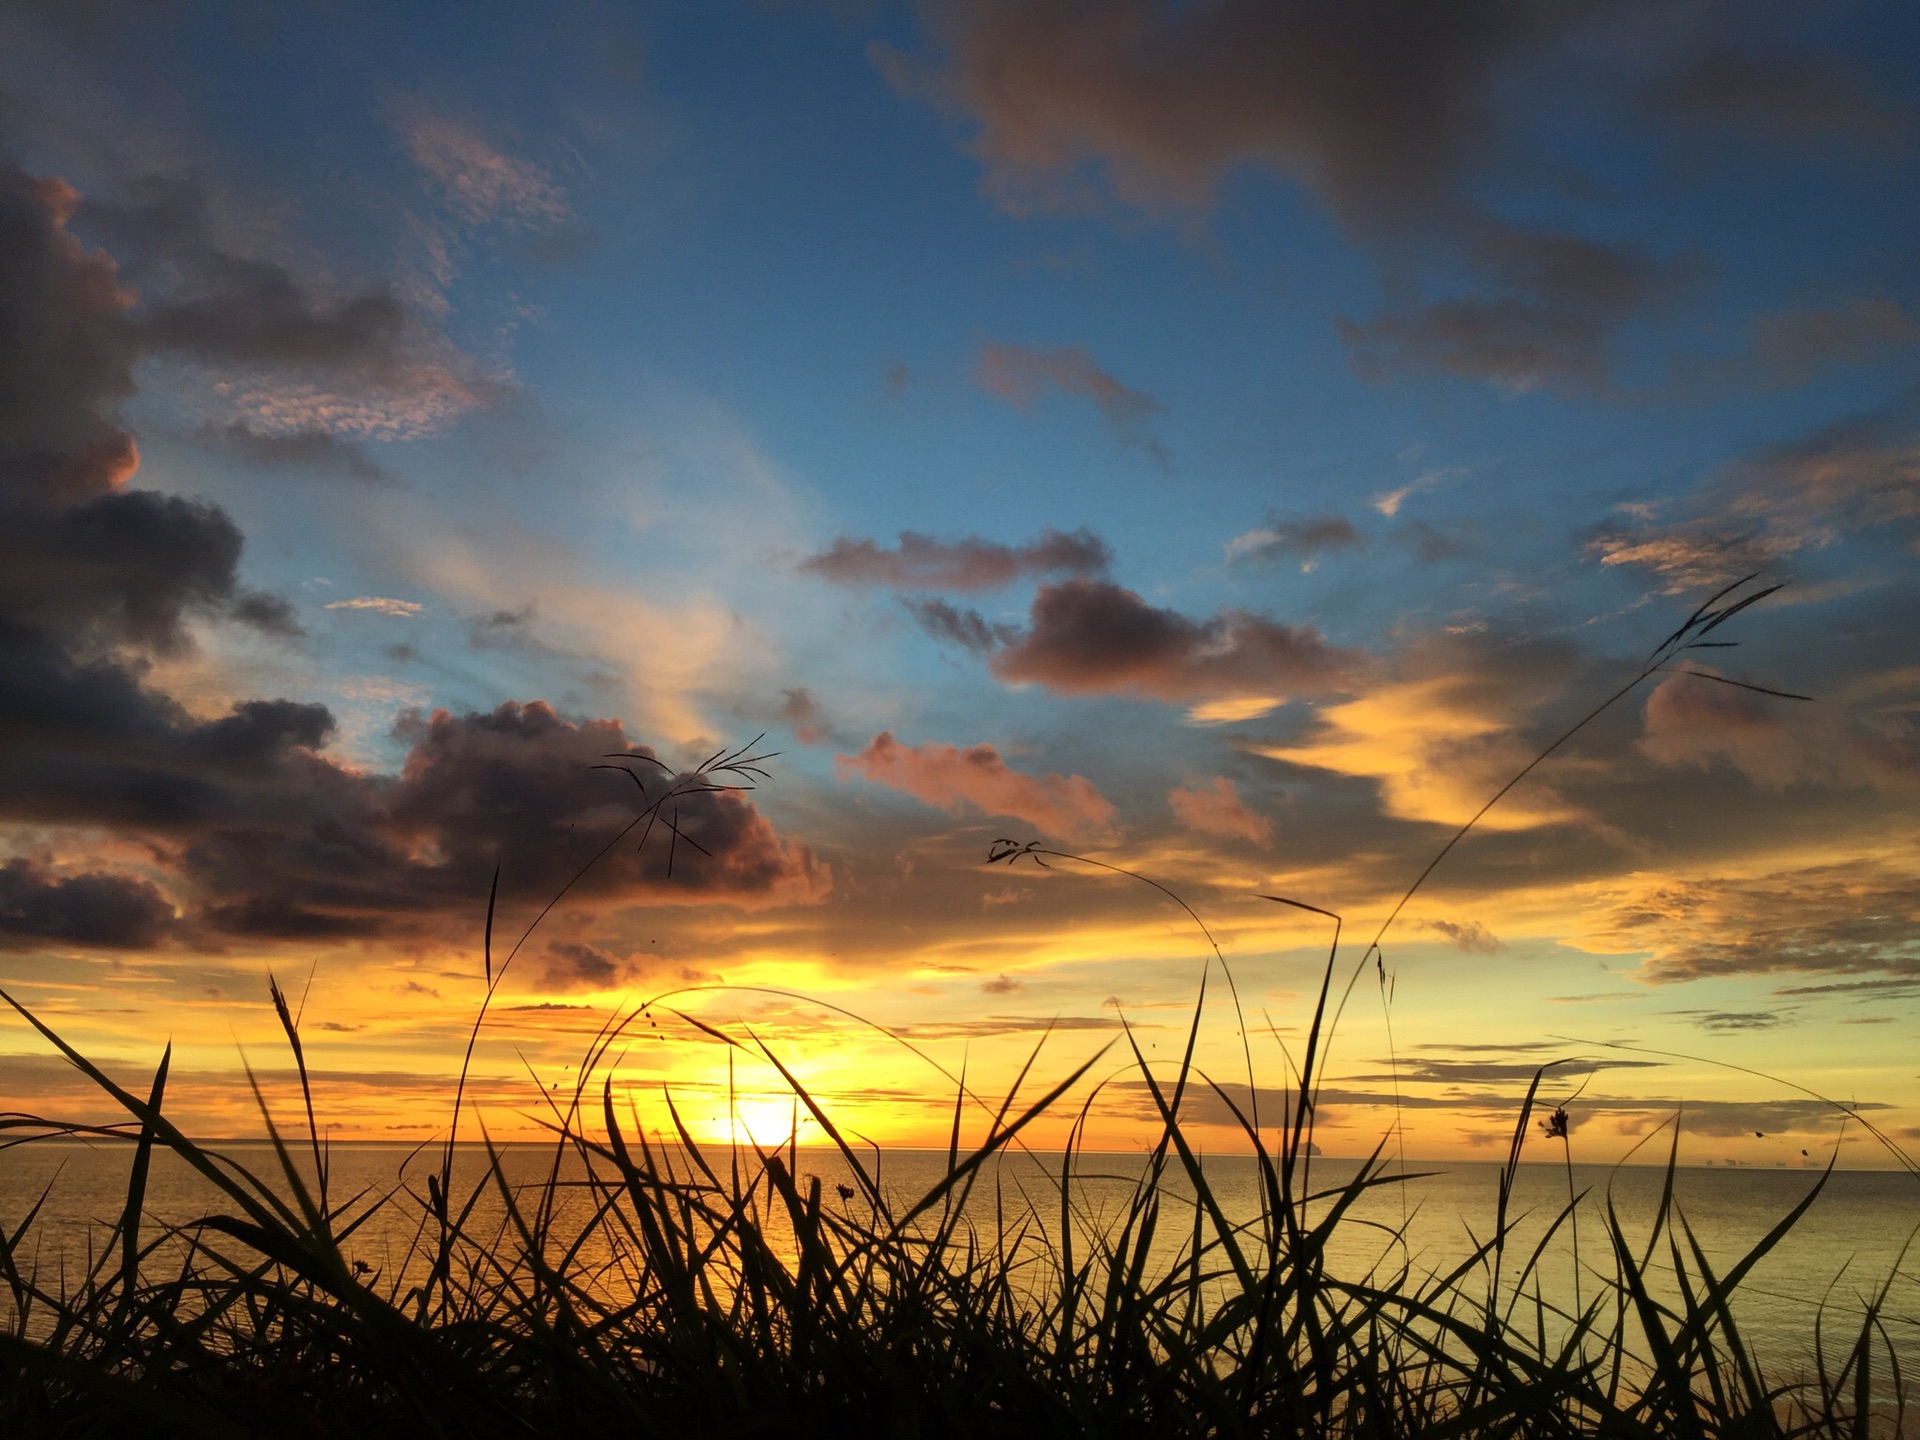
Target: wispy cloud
[(1019, 374), (379, 605)]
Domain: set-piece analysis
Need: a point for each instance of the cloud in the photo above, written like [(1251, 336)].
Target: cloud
[(1019, 374), (379, 605), (1697, 555), (107, 911), (69, 352), (1066, 807), (1447, 733), (288, 356), (1378, 110), (1386, 112), (1218, 810), (1863, 734), (1857, 476), (254, 831), (1388, 502), (1797, 101), (801, 711), (568, 965), (956, 625), (1087, 637), (330, 852), (924, 563), (1558, 301), (319, 450), (1791, 346), (1302, 538), (1471, 937), (478, 182), (1850, 917), (1724, 1021)]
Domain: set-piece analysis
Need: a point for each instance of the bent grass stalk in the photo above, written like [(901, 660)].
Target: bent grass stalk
[(654, 1286)]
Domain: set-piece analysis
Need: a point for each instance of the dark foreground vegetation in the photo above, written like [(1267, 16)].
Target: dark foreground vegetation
[(644, 1287)]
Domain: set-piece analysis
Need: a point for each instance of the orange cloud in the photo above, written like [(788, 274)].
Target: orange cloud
[(1218, 810), (945, 776)]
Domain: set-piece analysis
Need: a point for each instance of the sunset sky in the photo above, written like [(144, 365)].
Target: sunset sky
[(1225, 440)]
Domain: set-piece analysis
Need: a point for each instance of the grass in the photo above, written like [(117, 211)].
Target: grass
[(651, 1286)]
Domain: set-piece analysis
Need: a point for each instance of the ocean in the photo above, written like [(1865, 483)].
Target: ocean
[(1857, 1238)]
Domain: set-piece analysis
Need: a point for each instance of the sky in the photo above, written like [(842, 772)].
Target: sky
[(1225, 442)]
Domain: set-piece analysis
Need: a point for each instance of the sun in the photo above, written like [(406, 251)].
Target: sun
[(767, 1121)]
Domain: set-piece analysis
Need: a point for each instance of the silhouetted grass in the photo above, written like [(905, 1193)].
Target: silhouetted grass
[(651, 1286)]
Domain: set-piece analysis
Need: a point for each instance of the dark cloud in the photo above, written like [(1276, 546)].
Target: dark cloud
[(1725, 1020), (804, 714), (265, 836), (1795, 100), (957, 625), (568, 965), (924, 563), (207, 302), (1791, 346), (1304, 538), (514, 787), (68, 355), (121, 568), (39, 907), (1853, 917), (1019, 374), (1092, 637), (1385, 111), (308, 449), (1557, 302), (1469, 936), (1380, 108)]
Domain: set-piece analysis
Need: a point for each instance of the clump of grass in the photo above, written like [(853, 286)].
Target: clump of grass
[(650, 1285)]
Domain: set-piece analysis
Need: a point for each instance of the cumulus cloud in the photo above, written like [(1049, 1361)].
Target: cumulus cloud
[(921, 562), (1019, 375), (1087, 637), (1066, 807), (1863, 734), (1378, 110), (1302, 538), (69, 353), (256, 831), (1217, 809), (1851, 917), (95, 910)]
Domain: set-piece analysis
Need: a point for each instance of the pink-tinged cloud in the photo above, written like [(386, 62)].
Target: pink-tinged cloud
[(924, 563), (1858, 735), (1065, 807), (1090, 637), (477, 181), (1217, 809), (1020, 374)]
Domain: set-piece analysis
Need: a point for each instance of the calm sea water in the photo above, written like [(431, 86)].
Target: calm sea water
[(1853, 1241)]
